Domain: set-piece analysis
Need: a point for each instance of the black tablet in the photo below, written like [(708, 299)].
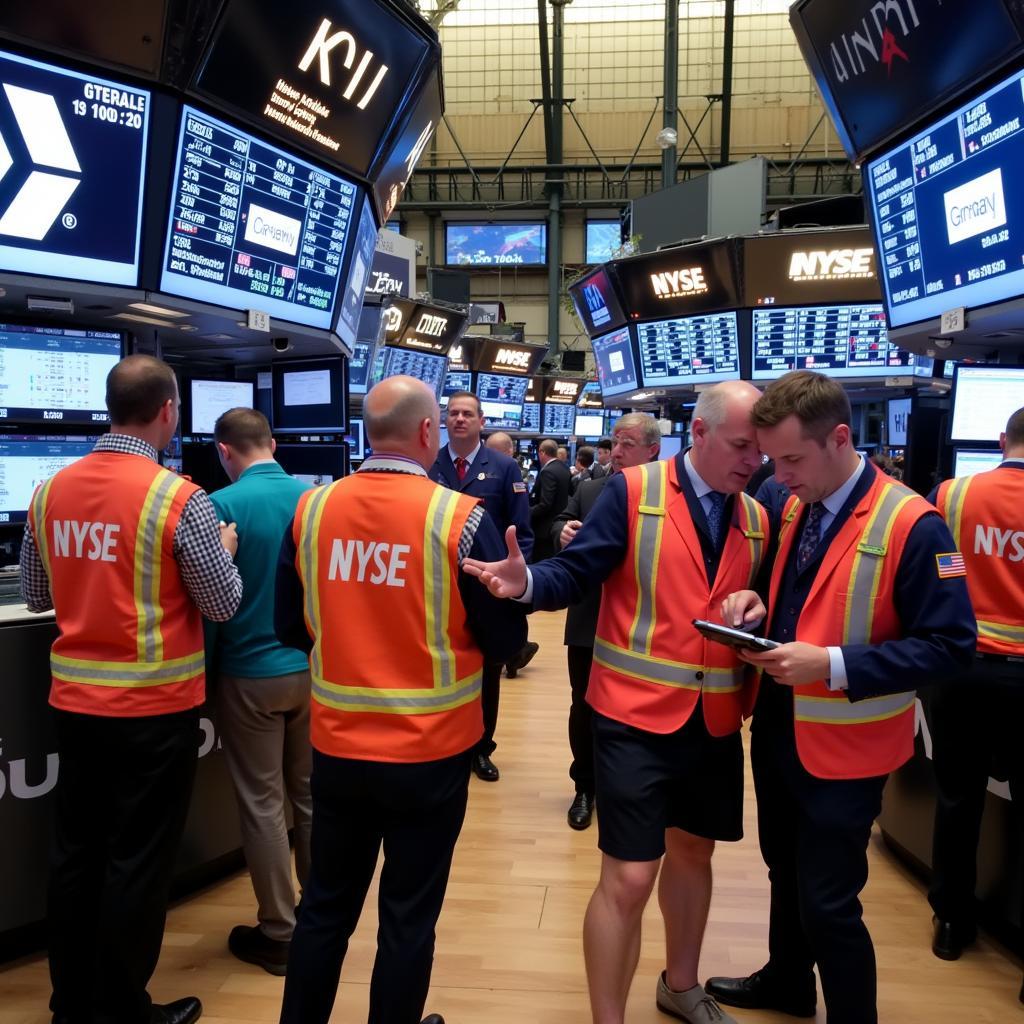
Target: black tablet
[(733, 637)]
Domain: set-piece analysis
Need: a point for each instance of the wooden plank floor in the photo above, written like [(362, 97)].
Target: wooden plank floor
[(509, 948)]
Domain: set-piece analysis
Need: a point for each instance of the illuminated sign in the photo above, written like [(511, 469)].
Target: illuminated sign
[(325, 40), (831, 265), (678, 284), (512, 357), (563, 392)]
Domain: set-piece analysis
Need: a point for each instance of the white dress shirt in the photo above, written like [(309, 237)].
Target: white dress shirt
[(470, 458)]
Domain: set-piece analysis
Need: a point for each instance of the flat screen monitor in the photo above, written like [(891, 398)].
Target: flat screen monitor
[(210, 398), (604, 239), (25, 462), (616, 363), (597, 303), (689, 350), (310, 394), (73, 168), (560, 420), (49, 375), (531, 420), (510, 244), (968, 461), (841, 341), (359, 368), (501, 398), (611, 416), (670, 447), (947, 212), (984, 398), (897, 414), (424, 366), (314, 464), (350, 301), (254, 227), (589, 424), (590, 396), (355, 438), (457, 380)]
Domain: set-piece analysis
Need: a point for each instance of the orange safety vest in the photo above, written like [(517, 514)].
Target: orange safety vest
[(851, 602), (131, 640), (396, 672), (650, 664), (983, 513)]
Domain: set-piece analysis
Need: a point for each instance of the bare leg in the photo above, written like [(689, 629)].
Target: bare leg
[(684, 895)]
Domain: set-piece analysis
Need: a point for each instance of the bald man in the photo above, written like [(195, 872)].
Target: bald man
[(501, 442), (371, 567)]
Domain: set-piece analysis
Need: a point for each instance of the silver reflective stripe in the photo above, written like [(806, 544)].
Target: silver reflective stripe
[(128, 675), (308, 558), (954, 510), (867, 565), (437, 580), (398, 702), (648, 541), (147, 551), (676, 674), (754, 525), (839, 711), (1001, 631)]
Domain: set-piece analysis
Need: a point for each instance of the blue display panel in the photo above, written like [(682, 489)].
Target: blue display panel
[(351, 301), (25, 463), (423, 366), (531, 417), (486, 245), (984, 398), (689, 350), (560, 420), (841, 341), (458, 380), (48, 375), (604, 239), (616, 366), (947, 210), (968, 461), (254, 227), (501, 398), (72, 169)]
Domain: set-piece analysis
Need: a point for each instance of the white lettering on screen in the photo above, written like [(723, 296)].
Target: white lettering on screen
[(307, 387), (510, 357), (823, 265), (273, 230), (673, 283), (70, 536), (388, 562), (321, 47)]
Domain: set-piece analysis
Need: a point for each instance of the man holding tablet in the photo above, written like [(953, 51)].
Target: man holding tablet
[(670, 540)]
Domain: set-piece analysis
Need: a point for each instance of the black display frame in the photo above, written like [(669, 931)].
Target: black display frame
[(961, 442), (331, 363)]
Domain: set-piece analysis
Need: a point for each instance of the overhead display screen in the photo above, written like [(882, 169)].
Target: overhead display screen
[(455, 381), (52, 376), (423, 366), (211, 398), (984, 398), (253, 227), (531, 417), (310, 394), (590, 396), (947, 212), (616, 365), (72, 170), (359, 367), (560, 420), (968, 461), (596, 303), (689, 350), (25, 463), (510, 244), (841, 341), (501, 398), (588, 424), (351, 300), (603, 240)]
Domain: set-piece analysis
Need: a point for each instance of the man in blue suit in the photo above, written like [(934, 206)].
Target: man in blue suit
[(466, 465)]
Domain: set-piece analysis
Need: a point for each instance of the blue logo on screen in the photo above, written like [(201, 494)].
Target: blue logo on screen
[(596, 305)]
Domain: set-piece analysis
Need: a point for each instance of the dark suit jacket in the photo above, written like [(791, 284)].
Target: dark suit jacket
[(549, 498), (501, 490)]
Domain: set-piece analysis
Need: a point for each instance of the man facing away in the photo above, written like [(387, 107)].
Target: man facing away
[(370, 577), (549, 498), (263, 693)]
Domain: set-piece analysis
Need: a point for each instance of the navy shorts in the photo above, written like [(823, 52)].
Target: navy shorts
[(647, 782)]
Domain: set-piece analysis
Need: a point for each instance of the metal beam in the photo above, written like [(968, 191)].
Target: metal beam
[(545, 75), (670, 120), (555, 185), (727, 55)]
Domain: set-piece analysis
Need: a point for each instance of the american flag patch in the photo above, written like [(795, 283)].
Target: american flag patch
[(950, 565), (518, 488)]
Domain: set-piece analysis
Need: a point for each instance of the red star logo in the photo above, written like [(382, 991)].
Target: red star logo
[(891, 50)]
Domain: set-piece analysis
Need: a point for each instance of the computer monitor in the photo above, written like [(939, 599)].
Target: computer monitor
[(501, 399), (314, 464), (589, 424), (616, 363), (685, 351), (984, 398), (531, 421), (27, 461), (355, 438), (455, 381), (968, 461), (310, 394), (559, 420), (209, 398), (424, 366)]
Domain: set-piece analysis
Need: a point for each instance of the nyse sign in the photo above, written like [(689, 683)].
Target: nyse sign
[(832, 265), (677, 284)]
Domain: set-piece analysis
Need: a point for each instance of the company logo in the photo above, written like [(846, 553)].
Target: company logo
[(511, 357), (392, 319), (39, 202), (976, 207), (320, 49), (565, 387), (678, 284), (873, 42), (432, 326), (273, 230), (384, 284), (599, 313), (831, 265)]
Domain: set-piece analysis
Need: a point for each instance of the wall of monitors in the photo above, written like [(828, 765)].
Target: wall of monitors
[(947, 213), (689, 350), (841, 341), (253, 227), (509, 244), (984, 398), (616, 363), (72, 173)]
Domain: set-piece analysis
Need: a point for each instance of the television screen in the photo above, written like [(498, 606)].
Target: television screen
[(984, 398), (424, 366), (590, 396), (690, 350), (49, 375), (897, 414), (355, 438), (501, 398), (841, 341), (309, 394), (589, 424), (454, 381), (350, 302), (596, 303), (616, 365), (73, 169), (314, 464), (531, 417), (210, 398), (510, 244), (254, 227), (25, 462), (560, 420), (948, 217), (604, 239), (610, 418), (968, 461)]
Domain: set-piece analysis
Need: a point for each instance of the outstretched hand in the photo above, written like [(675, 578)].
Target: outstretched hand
[(507, 578)]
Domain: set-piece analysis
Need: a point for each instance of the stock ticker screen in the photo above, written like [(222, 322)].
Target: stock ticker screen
[(689, 350), (948, 211), (616, 367), (254, 227)]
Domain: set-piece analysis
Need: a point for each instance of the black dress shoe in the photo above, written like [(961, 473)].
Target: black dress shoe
[(521, 659), (251, 945), (181, 1011), (948, 939), (581, 812), (433, 1018), (485, 769), (759, 992)]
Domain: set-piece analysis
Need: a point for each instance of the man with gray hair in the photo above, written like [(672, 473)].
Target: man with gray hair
[(669, 540)]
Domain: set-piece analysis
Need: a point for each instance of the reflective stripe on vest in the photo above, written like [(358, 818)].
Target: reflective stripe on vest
[(842, 712), (750, 526), (39, 526), (953, 507), (668, 673), (1001, 631), (647, 548), (127, 673), (448, 692)]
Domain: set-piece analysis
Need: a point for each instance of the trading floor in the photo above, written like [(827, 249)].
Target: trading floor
[(509, 947)]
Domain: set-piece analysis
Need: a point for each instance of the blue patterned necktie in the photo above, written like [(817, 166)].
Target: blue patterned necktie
[(811, 537), (714, 516)]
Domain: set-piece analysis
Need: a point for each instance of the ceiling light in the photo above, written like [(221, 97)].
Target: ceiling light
[(148, 307), (142, 320)]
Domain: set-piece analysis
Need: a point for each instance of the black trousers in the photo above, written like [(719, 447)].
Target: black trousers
[(121, 802), (413, 811), (814, 836), (974, 725), (490, 696), (581, 719)]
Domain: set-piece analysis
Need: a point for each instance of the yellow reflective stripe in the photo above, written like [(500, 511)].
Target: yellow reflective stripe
[(789, 513), (953, 512), (646, 552), (1001, 631), (397, 702), (663, 672), (127, 674), (840, 711), (753, 527), (39, 500), (309, 564), (437, 576)]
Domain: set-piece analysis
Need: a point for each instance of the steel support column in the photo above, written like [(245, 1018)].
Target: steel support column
[(555, 182), (670, 90), (727, 55)]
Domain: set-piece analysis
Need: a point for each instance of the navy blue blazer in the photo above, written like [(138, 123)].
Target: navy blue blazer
[(497, 481)]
